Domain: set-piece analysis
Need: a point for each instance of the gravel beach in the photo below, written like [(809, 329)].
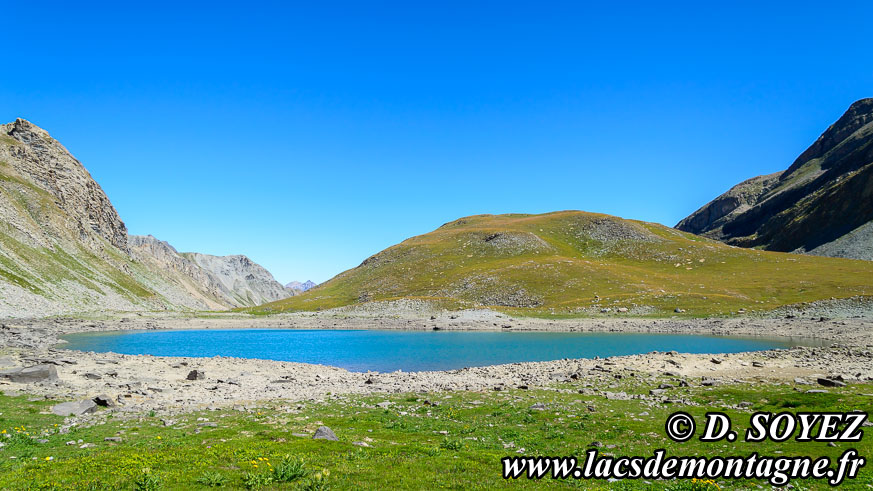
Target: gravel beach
[(137, 383)]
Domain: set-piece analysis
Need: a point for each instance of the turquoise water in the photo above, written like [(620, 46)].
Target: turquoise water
[(383, 351)]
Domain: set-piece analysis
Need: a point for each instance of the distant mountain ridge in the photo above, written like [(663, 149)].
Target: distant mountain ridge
[(243, 282), (301, 287), (822, 204), (64, 248)]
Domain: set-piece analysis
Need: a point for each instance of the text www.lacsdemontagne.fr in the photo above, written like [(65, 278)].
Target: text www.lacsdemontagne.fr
[(778, 471)]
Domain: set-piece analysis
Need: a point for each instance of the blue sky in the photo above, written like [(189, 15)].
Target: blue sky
[(309, 136)]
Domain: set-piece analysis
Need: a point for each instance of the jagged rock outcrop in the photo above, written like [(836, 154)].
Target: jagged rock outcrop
[(64, 249), (240, 280), (822, 204)]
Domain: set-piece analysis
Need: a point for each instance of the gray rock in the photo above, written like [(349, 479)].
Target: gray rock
[(38, 373), (115, 439), (826, 382), (75, 408), (196, 375), (104, 401), (324, 433), (92, 376), (617, 396)]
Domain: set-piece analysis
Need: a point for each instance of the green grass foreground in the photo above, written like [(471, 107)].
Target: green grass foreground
[(419, 441)]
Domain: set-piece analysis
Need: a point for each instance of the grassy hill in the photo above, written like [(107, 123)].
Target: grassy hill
[(576, 263)]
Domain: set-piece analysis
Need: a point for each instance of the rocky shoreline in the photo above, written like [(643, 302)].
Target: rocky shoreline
[(137, 383)]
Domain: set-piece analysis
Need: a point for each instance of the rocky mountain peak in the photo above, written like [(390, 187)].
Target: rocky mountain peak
[(36, 158), (821, 204), (299, 287), (859, 114)]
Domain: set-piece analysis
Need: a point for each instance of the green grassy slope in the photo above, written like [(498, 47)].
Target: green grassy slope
[(572, 263), (452, 441)]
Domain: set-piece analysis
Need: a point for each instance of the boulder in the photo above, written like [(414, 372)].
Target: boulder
[(324, 433), (38, 373), (830, 382), (104, 401), (75, 408), (196, 375)]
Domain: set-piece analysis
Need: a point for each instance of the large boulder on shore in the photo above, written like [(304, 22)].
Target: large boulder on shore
[(38, 373), (75, 408)]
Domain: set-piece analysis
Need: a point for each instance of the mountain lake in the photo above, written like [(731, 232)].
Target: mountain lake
[(390, 350)]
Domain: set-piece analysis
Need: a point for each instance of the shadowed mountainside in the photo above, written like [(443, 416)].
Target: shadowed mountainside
[(822, 204)]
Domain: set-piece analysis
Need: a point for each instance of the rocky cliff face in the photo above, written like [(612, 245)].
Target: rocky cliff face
[(64, 249), (240, 280), (822, 204), (37, 168)]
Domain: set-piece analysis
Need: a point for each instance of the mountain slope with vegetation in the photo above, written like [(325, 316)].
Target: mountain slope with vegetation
[(64, 248), (822, 204), (572, 262)]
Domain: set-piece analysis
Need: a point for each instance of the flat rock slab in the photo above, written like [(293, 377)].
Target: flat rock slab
[(38, 373), (75, 408), (830, 382)]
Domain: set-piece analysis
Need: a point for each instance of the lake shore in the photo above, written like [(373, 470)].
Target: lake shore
[(145, 383)]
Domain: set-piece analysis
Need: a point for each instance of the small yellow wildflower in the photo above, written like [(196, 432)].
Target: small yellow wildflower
[(158, 437), (49, 459)]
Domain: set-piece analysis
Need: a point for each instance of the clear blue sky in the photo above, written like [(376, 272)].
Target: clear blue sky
[(310, 137)]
